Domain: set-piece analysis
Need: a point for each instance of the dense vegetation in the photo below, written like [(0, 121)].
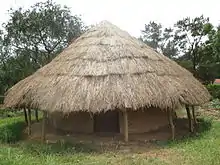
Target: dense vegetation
[(214, 90)]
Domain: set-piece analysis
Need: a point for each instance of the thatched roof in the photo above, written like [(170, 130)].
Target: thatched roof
[(105, 69)]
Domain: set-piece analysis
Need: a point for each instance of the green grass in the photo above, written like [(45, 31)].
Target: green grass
[(201, 149), (34, 154), (12, 124), (11, 129)]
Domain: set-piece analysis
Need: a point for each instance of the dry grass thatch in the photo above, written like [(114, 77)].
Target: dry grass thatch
[(105, 69)]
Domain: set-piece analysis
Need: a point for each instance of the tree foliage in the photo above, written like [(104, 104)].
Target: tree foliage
[(33, 37), (190, 35), (193, 42), (41, 31), (209, 67), (161, 39)]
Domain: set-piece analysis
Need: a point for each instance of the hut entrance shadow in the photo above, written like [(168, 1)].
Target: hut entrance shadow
[(107, 122)]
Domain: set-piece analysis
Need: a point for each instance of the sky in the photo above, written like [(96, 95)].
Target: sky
[(129, 15)]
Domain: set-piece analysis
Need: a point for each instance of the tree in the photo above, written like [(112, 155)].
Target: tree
[(191, 35), (152, 34), (160, 39), (193, 42), (169, 45), (3, 65), (42, 31), (209, 67), (33, 37)]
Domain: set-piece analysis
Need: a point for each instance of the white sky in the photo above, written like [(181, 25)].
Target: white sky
[(130, 15)]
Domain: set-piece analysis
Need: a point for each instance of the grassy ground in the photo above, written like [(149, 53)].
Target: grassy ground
[(202, 149)]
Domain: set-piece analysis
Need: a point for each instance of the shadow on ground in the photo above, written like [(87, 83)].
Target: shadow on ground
[(204, 125)]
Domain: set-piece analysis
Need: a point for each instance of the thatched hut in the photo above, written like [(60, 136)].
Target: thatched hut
[(108, 81)]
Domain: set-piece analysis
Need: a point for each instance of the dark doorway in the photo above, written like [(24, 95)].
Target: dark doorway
[(107, 122)]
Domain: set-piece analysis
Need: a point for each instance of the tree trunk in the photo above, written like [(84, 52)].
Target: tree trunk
[(189, 118), (194, 59), (170, 119)]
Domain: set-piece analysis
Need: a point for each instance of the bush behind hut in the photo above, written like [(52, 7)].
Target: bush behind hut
[(214, 90)]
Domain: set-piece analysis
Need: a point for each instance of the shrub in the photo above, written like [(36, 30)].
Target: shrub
[(215, 103), (214, 90), (5, 113), (11, 129)]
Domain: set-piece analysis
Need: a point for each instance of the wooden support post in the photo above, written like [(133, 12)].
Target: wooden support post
[(36, 115), (25, 116), (125, 115), (175, 115), (170, 119), (43, 135), (189, 118), (194, 115), (29, 122)]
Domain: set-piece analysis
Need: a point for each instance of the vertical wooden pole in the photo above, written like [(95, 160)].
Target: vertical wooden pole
[(43, 135), (174, 115), (189, 118), (170, 119), (25, 116), (125, 115), (36, 115), (194, 115), (29, 122)]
